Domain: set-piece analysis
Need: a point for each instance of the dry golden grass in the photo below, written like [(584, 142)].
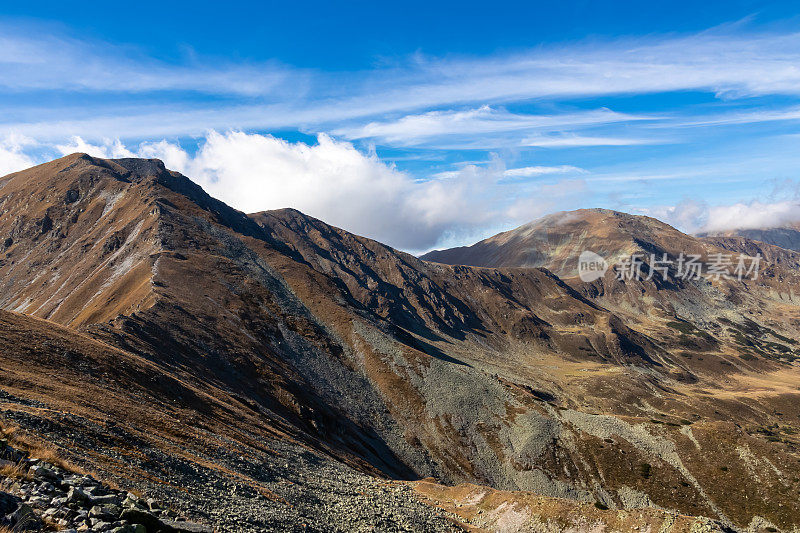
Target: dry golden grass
[(36, 449), (15, 471), (486, 509), (49, 524)]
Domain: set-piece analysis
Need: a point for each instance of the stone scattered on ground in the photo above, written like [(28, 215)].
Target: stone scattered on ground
[(40, 495)]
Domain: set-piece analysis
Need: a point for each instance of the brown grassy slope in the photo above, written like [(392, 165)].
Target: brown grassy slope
[(214, 313), (52, 372), (528, 305), (85, 231), (507, 377), (485, 509), (210, 453), (555, 241), (681, 391), (702, 309)]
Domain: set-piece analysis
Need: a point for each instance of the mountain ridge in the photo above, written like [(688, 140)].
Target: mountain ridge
[(785, 236), (540, 243), (377, 363)]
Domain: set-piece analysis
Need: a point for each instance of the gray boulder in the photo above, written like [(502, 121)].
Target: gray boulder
[(112, 499), (138, 516), (106, 512), (43, 473), (24, 519), (8, 503), (76, 495), (186, 527)]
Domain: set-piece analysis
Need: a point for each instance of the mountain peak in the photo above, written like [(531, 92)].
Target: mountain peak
[(71, 169), (97, 227), (555, 241), (141, 167)]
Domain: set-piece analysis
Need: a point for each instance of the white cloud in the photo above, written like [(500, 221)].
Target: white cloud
[(108, 149), (688, 215), (529, 172), (343, 186), (338, 183), (752, 215), (12, 155), (416, 129), (173, 156), (43, 60), (573, 140), (693, 216), (727, 63), (330, 180), (334, 181), (743, 117), (722, 61)]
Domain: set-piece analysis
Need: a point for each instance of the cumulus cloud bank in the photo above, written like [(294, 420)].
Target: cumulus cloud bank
[(694, 216), (334, 181), (344, 186), (12, 155), (753, 215)]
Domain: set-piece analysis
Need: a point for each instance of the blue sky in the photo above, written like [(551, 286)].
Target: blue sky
[(424, 124)]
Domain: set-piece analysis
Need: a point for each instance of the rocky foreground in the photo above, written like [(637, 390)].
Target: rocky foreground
[(37, 495), (45, 496)]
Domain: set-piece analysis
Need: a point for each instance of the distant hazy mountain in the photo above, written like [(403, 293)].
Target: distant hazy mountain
[(556, 241), (786, 236)]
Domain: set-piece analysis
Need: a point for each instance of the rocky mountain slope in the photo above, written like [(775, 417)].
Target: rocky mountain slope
[(553, 241), (297, 375)]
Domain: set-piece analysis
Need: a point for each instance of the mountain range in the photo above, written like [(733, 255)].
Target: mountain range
[(272, 372), (785, 236)]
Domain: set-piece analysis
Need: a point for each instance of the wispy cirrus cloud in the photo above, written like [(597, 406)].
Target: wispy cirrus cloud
[(539, 115), (421, 128), (497, 169), (722, 61), (572, 140), (47, 61), (727, 63), (529, 172), (740, 117)]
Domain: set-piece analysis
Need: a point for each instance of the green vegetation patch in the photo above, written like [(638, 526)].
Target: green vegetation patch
[(684, 327)]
